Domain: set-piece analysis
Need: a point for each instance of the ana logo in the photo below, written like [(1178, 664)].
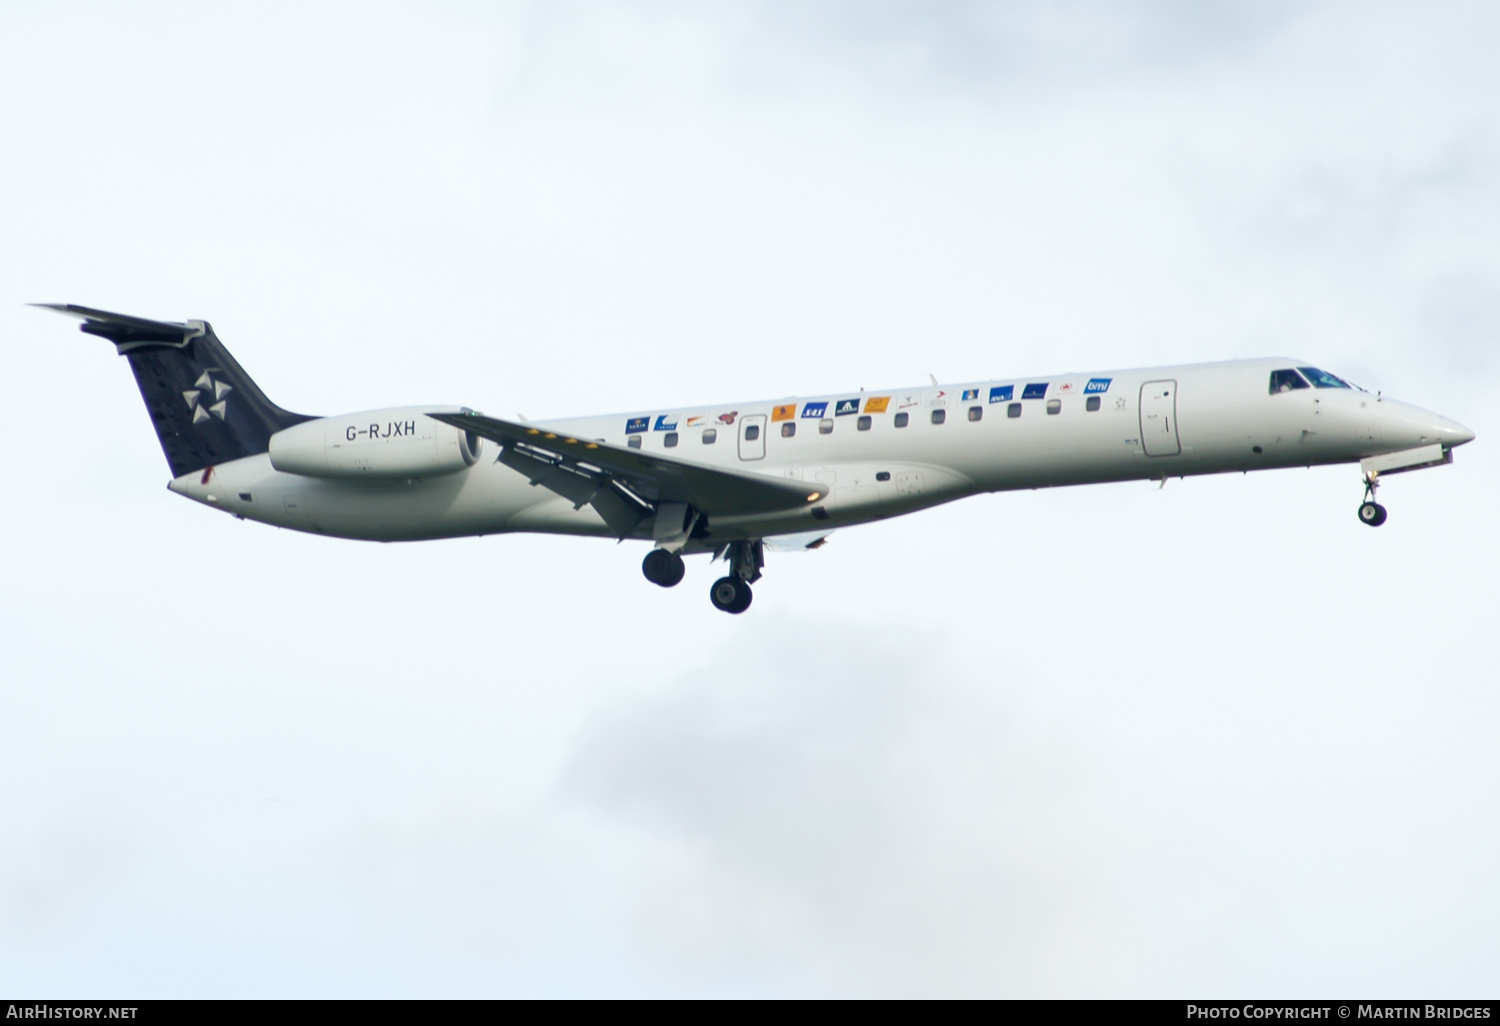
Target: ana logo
[(207, 397), (1002, 393)]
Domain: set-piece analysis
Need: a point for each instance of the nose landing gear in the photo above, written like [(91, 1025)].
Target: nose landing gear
[(1370, 511)]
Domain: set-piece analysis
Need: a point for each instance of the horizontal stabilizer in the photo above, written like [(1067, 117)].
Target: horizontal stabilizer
[(125, 331)]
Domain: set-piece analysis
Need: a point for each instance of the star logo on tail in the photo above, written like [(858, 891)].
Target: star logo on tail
[(206, 397)]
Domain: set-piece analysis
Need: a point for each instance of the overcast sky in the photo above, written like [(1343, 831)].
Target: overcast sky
[(1109, 741)]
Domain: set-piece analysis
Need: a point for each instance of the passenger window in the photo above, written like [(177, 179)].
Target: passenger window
[(1054, 407), (1091, 404), (634, 441), (864, 423), (670, 441), (938, 416), (789, 429), (1322, 379), (1285, 381), (710, 436), (1013, 410), (752, 432), (976, 412), (825, 426), (884, 475), (900, 420)]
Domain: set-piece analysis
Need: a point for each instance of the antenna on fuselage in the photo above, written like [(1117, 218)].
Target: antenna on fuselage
[(933, 378)]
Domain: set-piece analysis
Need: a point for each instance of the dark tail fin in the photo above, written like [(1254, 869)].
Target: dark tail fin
[(205, 408)]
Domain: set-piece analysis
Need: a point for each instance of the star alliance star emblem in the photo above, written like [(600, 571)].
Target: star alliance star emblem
[(213, 402)]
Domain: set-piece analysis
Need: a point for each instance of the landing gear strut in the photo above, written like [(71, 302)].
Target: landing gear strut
[(732, 593), (1370, 511), (663, 568)]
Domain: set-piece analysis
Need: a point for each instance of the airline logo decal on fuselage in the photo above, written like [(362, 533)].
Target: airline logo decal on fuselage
[(844, 407), (1097, 386), (814, 410), (1002, 393), (1036, 391), (662, 424), (635, 425)]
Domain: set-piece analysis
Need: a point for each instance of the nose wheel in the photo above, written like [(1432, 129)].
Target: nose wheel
[(1370, 511)]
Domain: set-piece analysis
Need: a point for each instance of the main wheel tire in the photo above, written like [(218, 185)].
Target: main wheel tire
[(663, 568), (1372, 513), (730, 594), (746, 594)]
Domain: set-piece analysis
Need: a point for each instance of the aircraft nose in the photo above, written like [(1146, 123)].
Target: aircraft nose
[(1451, 432)]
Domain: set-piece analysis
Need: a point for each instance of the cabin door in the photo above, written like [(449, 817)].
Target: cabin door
[(1159, 418), (753, 437)]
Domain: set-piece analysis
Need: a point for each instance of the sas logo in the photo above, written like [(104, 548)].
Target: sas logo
[(635, 425), (784, 412), (1035, 391), (728, 418), (844, 407), (213, 403), (663, 424), (877, 404), (1097, 386), (814, 410), (970, 393), (1002, 393)]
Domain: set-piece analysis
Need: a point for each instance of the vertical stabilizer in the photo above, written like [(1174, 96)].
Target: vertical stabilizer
[(205, 408)]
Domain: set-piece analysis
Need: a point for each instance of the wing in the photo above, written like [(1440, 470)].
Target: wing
[(614, 478)]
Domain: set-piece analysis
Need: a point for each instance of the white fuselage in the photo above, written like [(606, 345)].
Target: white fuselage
[(1146, 424)]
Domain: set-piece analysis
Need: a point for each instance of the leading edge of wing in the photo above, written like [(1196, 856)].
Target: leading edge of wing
[(712, 490)]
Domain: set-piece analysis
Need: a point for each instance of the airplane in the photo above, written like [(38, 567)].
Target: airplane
[(736, 479)]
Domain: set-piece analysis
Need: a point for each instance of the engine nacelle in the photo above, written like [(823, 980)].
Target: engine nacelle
[(380, 444)]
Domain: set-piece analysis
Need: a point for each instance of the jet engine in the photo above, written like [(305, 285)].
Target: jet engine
[(377, 445)]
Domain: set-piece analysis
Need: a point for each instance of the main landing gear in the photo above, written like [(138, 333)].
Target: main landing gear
[(732, 593), (663, 568), (1370, 511)]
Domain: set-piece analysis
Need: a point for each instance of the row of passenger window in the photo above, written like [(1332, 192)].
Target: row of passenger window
[(864, 423)]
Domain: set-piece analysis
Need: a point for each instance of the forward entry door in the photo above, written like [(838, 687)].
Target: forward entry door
[(753, 437), (1159, 418)]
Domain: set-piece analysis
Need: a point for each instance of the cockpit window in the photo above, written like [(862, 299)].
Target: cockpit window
[(1322, 379), (1285, 381)]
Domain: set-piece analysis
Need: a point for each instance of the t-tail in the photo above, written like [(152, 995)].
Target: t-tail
[(205, 408)]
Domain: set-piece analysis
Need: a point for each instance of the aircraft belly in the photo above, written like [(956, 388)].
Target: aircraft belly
[(472, 502)]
